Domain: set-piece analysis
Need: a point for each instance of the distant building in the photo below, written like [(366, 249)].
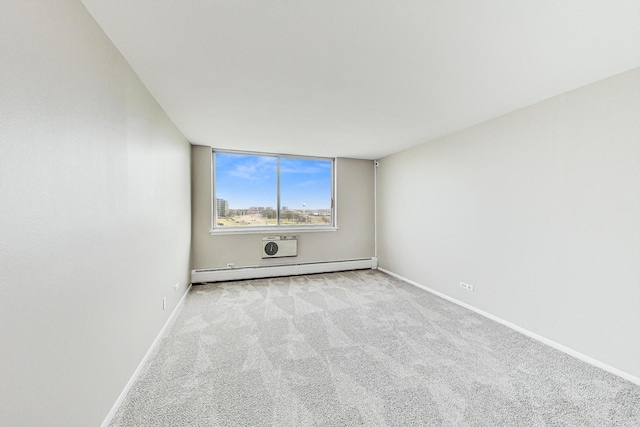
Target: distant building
[(222, 207)]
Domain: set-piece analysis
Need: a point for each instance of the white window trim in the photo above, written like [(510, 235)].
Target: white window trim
[(272, 230), (276, 229)]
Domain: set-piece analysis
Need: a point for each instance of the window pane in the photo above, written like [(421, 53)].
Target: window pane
[(245, 190), (305, 192)]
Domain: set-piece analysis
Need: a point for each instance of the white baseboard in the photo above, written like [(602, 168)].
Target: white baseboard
[(138, 370), (276, 270), (540, 338)]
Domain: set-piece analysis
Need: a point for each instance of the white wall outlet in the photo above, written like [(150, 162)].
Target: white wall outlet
[(176, 286), (164, 303), (466, 286), (230, 265)]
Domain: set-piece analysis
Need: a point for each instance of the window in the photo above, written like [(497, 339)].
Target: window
[(272, 191)]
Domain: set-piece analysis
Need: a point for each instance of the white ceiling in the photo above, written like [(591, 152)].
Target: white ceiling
[(361, 78)]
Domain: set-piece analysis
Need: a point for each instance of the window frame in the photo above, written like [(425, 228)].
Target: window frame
[(215, 229)]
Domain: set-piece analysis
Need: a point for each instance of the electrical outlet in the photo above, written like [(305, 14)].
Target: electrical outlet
[(230, 265), (176, 286), (466, 286), (164, 303)]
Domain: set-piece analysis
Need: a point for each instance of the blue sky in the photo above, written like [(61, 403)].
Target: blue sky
[(247, 180)]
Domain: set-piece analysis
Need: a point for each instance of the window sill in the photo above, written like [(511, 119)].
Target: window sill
[(270, 230)]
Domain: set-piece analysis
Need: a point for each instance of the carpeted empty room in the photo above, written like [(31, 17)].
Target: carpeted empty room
[(360, 348), (319, 213)]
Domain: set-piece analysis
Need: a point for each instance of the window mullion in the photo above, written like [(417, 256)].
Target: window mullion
[(278, 190)]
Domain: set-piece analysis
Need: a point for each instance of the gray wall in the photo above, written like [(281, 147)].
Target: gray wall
[(94, 217), (354, 239), (539, 210)]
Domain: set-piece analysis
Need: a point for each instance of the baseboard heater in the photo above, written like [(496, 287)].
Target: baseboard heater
[(276, 270)]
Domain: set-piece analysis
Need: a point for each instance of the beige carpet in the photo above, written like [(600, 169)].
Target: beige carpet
[(360, 349)]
